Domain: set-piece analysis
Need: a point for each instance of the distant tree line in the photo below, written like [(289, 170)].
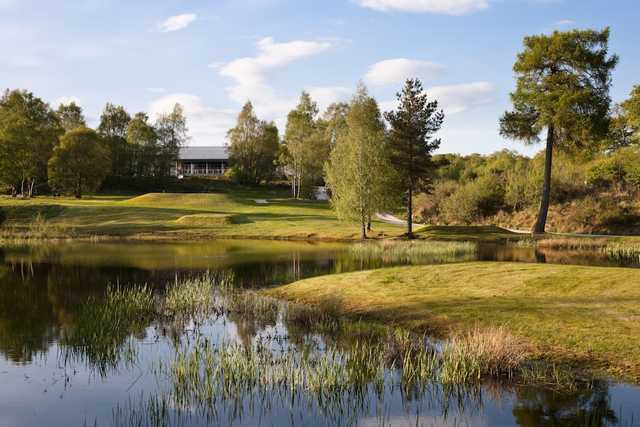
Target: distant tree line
[(40, 146), (369, 160)]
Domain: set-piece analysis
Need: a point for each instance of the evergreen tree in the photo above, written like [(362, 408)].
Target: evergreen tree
[(358, 170), (412, 129), (562, 90)]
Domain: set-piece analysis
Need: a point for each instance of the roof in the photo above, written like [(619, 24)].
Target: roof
[(203, 153)]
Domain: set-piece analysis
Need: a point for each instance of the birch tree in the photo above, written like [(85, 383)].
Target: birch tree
[(358, 170)]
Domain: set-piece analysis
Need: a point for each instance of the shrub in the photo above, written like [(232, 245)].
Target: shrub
[(475, 200), (428, 206), (3, 216)]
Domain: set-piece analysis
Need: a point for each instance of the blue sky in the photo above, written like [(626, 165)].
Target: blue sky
[(213, 55)]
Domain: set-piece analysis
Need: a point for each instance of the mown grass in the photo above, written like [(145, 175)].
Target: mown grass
[(167, 215), (584, 315)]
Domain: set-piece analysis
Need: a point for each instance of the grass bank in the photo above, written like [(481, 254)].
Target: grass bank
[(233, 214), (583, 315)]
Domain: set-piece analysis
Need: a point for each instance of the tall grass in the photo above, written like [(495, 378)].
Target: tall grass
[(622, 250), (481, 353), (413, 252)]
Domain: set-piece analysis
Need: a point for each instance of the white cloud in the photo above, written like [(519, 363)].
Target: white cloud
[(67, 100), (449, 7), (177, 22), (397, 70), (462, 97), (454, 99), (564, 23), (207, 125), (250, 73), (325, 96)]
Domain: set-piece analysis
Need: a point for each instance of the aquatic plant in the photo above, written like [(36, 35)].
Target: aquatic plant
[(391, 251), (480, 353)]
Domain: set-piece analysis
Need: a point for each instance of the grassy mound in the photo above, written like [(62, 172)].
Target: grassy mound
[(576, 313), (206, 220)]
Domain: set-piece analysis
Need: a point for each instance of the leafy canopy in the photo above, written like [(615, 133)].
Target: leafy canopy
[(563, 84)]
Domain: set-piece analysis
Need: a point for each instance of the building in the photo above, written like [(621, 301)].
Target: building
[(202, 161)]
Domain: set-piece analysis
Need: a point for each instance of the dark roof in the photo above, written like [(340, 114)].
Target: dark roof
[(203, 153)]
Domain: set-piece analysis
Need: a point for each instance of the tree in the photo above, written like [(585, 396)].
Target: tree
[(172, 132), (79, 163), (70, 116), (28, 131), (114, 123), (142, 139), (562, 89), (411, 136), (358, 170), (335, 119), (253, 147), (306, 148), (629, 117)]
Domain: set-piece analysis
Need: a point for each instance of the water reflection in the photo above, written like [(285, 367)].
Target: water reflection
[(43, 290)]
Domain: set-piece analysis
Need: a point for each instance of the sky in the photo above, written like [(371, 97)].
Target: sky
[(212, 56)]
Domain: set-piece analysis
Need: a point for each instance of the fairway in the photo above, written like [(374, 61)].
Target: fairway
[(172, 215), (567, 313)]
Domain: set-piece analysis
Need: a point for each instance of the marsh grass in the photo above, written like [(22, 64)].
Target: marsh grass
[(411, 252), (37, 227), (615, 249), (104, 329), (103, 326), (481, 353)]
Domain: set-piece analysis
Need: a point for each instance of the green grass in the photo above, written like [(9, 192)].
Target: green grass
[(414, 251), (172, 215), (584, 315)]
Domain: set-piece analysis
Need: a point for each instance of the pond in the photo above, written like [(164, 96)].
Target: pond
[(48, 379)]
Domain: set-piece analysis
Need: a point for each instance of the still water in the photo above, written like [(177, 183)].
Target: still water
[(42, 288)]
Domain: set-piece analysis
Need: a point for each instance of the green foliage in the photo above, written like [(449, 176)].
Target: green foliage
[(618, 169), (562, 89), (29, 129), (306, 147), (412, 129), (358, 171), (253, 148), (70, 116), (114, 123), (172, 133), (79, 163), (474, 200)]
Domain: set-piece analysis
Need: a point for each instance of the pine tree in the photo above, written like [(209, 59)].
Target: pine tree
[(562, 90), (413, 126)]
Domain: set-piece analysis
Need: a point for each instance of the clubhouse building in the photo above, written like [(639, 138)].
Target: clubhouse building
[(202, 161)]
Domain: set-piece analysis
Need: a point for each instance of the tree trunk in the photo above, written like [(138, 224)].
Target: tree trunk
[(541, 222), (369, 223), (410, 213)]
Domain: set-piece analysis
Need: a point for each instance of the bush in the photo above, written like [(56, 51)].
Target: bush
[(427, 207), (475, 200), (3, 216)]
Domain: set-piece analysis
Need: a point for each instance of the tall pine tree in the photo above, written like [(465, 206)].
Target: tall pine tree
[(412, 128)]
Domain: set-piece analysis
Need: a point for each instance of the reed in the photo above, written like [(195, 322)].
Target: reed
[(411, 252), (481, 353)]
